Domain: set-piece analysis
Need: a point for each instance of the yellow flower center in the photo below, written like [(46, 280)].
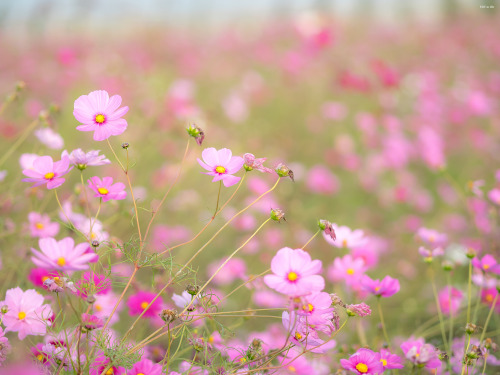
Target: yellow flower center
[(384, 362), (39, 225), (110, 371), (44, 278), (377, 288), (489, 298), (298, 336), (344, 243), (292, 369), (220, 169), (49, 176), (140, 373), (350, 271), (243, 359), (486, 266), (100, 118), (432, 238), (308, 307), (61, 261), (21, 315), (98, 307), (103, 191), (144, 305), (211, 339), (292, 276), (361, 367), (40, 357)]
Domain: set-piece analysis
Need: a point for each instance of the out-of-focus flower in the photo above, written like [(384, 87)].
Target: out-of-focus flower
[(26, 160), (390, 361), (348, 269), (91, 322), (26, 313), (222, 165), (106, 190), (488, 297), (49, 138), (251, 163), (145, 366), (385, 288), (41, 226), (360, 309), (432, 237), (82, 160), (93, 283), (196, 133), (346, 237), (58, 284), (321, 180), (295, 273), (46, 171), (364, 361), (429, 255), (487, 264), (101, 114), (4, 346), (101, 363), (494, 196), (449, 300), (138, 302), (63, 255), (420, 353), (183, 300), (475, 187)]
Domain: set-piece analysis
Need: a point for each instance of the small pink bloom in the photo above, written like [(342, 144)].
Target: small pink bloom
[(385, 288), (363, 362), (139, 301), (487, 264), (450, 306), (420, 353), (321, 180), (49, 138), (46, 171), (494, 196), (82, 160), (63, 255), (489, 295), (38, 275), (4, 346), (389, 360), (103, 307), (145, 366), (430, 254), (360, 309), (251, 162), (346, 237), (295, 274), (101, 114), (91, 322), (348, 269), (100, 364), (106, 190), (26, 313), (93, 283), (41, 226), (432, 237), (222, 165)]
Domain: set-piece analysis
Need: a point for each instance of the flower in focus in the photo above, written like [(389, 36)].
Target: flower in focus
[(487, 264), (26, 313), (139, 301), (420, 353), (41, 226), (101, 114), (63, 255), (49, 138), (222, 165), (432, 237), (145, 366), (82, 160), (346, 238), (251, 163), (446, 305), (385, 288), (364, 361), (106, 190), (46, 171), (389, 360), (295, 274)]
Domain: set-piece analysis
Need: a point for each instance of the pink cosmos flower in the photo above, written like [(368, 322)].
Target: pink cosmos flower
[(321, 180), (49, 138), (103, 307), (494, 196), (389, 360), (93, 283), (295, 274), (139, 301), (489, 295), (101, 363), (305, 334), (91, 322), (348, 269), (101, 114), (297, 366), (26, 160), (4, 346), (488, 264), (446, 305), (145, 366), (222, 165), (183, 300), (38, 275), (106, 190), (41, 226), (385, 288), (364, 361), (251, 163), (346, 238), (82, 160), (26, 313), (432, 237), (315, 304), (430, 254), (63, 255), (420, 353), (46, 171)]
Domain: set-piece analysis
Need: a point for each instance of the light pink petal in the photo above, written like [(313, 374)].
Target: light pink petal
[(118, 114), (87, 128), (230, 180), (117, 127), (32, 173), (235, 164), (99, 100), (43, 164), (102, 133), (280, 264), (225, 155), (114, 103), (210, 156), (56, 182), (208, 168)]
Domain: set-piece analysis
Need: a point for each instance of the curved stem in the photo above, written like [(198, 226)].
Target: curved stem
[(307, 243), (381, 315)]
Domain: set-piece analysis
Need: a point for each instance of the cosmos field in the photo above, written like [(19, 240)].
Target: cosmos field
[(306, 197)]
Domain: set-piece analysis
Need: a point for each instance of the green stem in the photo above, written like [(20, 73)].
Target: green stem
[(381, 315), (218, 197), (488, 318), (440, 313)]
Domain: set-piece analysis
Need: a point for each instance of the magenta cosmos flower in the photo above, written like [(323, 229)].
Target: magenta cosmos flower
[(106, 190), (145, 366), (364, 361), (385, 288), (46, 171), (449, 300), (390, 361), (295, 274), (26, 313), (63, 255), (139, 301), (101, 114), (487, 264), (222, 165)]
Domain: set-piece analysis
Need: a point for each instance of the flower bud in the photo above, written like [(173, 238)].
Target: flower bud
[(193, 289), (277, 214), (327, 227), (428, 260), (95, 243), (125, 145), (471, 253), (447, 265), (4, 309), (196, 133), (20, 85), (91, 299), (283, 171), (81, 166), (168, 315), (470, 328)]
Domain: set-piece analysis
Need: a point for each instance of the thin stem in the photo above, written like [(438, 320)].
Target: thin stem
[(218, 197), (440, 313), (450, 333), (381, 315), (242, 285), (19, 141), (307, 243), (469, 291), (488, 318)]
